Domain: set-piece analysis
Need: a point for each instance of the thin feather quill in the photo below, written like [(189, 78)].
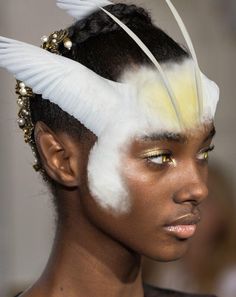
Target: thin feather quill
[(192, 51)]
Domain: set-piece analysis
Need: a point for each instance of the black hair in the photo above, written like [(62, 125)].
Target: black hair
[(101, 45)]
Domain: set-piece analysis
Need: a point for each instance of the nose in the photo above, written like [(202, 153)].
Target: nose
[(193, 185)]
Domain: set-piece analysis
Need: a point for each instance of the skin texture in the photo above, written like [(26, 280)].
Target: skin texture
[(95, 249)]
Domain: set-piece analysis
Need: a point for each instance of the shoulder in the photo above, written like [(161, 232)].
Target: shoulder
[(151, 291)]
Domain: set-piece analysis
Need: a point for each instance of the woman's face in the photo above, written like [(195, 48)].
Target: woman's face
[(165, 176)]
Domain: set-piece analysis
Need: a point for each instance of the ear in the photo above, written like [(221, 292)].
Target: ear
[(59, 155)]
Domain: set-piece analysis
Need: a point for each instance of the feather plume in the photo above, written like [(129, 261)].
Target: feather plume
[(79, 91), (192, 51), (80, 9)]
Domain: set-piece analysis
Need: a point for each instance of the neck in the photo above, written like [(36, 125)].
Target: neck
[(87, 262)]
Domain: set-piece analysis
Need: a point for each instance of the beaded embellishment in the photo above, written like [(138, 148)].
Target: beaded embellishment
[(25, 94)]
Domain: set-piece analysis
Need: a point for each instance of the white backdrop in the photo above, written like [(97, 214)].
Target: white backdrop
[(26, 216)]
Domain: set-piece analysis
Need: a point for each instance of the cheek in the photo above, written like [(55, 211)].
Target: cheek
[(151, 206), (147, 186)]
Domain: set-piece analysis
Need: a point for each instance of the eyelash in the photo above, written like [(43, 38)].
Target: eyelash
[(205, 153), (168, 155)]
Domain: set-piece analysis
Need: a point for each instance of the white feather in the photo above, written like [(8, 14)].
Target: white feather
[(76, 89), (192, 51), (80, 9)]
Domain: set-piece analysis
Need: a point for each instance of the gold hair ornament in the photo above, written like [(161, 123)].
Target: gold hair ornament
[(25, 94)]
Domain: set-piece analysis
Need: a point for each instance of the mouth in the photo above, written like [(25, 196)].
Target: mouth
[(184, 227)]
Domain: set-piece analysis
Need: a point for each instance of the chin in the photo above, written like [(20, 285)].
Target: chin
[(170, 252)]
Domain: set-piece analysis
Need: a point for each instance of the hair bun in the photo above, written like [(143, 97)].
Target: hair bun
[(101, 23)]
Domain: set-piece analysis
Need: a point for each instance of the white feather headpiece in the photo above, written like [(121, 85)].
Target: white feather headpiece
[(167, 97), (80, 9)]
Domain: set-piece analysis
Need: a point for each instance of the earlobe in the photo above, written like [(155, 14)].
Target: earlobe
[(57, 155)]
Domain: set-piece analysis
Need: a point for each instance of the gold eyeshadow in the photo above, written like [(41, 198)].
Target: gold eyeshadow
[(158, 152), (153, 152)]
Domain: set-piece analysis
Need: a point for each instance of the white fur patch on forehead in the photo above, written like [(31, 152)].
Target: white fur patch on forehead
[(152, 97)]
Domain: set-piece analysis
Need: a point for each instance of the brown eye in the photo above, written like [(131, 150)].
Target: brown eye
[(204, 155), (160, 159)]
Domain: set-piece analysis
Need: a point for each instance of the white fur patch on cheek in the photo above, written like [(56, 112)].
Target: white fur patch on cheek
[(105, 182), (104, 172)]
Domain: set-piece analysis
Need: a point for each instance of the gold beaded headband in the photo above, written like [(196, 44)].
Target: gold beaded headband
[(25, 94)]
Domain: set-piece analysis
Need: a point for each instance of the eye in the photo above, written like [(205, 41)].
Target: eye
[(204, 154), (160, 159)]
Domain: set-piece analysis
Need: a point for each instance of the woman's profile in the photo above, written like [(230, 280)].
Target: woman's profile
[(121, 121)]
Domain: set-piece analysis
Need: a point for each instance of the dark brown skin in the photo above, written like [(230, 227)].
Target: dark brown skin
[(97, 253)]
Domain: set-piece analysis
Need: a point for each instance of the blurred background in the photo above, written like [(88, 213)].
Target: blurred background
[(26, 213)]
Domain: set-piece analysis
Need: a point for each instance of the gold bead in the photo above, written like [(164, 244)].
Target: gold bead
[(25, 112)]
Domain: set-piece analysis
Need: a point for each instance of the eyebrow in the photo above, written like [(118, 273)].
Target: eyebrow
[(210, 135), (175, 137), (167, 136)]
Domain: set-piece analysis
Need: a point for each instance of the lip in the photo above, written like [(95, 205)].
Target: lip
[(188, 219), (184, 227)]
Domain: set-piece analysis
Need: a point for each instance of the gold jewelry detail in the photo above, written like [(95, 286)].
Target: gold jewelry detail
[(25, 94), (53, 42)]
